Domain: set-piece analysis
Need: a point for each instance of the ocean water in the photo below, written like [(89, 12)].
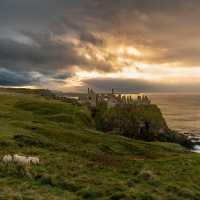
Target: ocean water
[(181, 111)]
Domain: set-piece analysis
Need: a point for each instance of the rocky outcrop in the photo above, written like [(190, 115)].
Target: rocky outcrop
[(141, 122), (144, 122), (175, 137)]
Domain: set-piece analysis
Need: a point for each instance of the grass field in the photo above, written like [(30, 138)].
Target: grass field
[(78, 162)]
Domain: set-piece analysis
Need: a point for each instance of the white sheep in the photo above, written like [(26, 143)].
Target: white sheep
[(21, 160), (7, 158), (34, 160)]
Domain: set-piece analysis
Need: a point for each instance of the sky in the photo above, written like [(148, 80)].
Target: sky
[(128, 45)]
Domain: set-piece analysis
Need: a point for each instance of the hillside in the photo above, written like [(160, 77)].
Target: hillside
[(78, 162)]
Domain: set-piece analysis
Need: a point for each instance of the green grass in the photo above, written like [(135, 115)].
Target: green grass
[(78, 162)]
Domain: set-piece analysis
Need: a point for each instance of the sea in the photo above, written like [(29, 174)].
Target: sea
[(181, 111)]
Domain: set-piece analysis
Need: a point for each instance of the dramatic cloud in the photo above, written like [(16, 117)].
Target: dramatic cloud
[(125, 41), (13, 78)]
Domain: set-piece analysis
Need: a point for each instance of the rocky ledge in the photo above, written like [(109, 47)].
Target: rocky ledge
[(144, 122)]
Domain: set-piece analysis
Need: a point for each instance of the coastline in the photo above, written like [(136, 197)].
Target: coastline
[(188, 139)]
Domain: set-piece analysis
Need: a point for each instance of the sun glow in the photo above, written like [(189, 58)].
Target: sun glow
[(126, 62), (131, 51), (88, 57), (126, 72), (144, 72)]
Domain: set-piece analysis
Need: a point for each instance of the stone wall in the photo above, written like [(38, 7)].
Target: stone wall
[(112, 99)]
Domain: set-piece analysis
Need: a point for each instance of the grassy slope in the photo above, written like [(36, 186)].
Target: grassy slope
[(78, 162)]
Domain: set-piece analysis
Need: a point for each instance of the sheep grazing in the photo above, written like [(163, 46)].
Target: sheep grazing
[(34, 160), (21, 160), (7, 158)]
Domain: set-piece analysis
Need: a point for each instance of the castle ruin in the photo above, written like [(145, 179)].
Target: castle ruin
[(113, 99)]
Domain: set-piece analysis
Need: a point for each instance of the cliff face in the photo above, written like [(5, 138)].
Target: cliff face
[(141, 122), (144, 122)]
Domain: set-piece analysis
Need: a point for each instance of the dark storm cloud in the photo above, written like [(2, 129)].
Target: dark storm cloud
[(45, 55), (35, 14), (13, 78), (168, 29)]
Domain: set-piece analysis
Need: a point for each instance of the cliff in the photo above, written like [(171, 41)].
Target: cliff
[(144, 122)]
